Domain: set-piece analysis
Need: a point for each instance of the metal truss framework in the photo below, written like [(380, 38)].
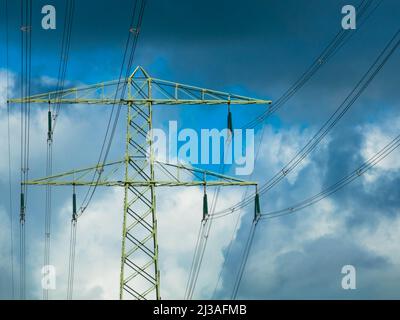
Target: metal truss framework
[(138, 172)]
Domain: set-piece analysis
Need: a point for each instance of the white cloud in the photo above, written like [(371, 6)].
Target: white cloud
[(384, 239), (51, 82), (3, 86), (322, 221), (97, 249), (375, 138), (279, 147), (4, 239), (5, 255)]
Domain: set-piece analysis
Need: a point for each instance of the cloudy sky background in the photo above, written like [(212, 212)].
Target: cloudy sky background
[(257, 48)]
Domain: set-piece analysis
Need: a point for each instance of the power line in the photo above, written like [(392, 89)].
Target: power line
[(135, 29), (387, 52), (195, 261), (64, 56), (206, 224), (362, 85), (324, 57), (348, 102), (333, 47), (26, 49), (357, 173), (370, 163), (229, 250), (203, 245), (72, 248), (244, 259), (71, 265), (328, 52), (9, 156)]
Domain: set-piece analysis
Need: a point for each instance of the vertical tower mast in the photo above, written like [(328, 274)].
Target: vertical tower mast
[(139, 257)]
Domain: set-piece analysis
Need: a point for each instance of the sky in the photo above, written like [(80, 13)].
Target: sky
[(254, 48)]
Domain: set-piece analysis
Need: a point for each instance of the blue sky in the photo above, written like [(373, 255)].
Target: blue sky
[(255, 48)]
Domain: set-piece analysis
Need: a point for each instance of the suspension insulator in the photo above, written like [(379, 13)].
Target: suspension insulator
[(205, 206), (257, 210), (49, 121), (22, 212), (230, 125), (74, 215)]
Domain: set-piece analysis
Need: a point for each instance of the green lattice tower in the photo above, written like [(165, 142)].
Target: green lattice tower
[(142, 174)]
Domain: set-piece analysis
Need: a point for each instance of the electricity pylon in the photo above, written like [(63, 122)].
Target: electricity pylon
[(141, 172)]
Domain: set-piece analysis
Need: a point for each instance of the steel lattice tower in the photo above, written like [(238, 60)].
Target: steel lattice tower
[(138, 172)]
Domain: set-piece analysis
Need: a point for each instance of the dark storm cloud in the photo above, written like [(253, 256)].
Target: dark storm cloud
[(194, 21), (263, 45), (381, 200), (368, 204)]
